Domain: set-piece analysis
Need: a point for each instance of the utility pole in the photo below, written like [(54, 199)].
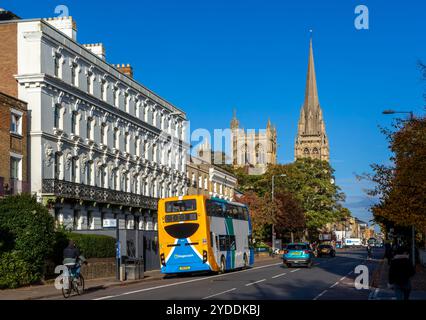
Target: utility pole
[(273, 212)]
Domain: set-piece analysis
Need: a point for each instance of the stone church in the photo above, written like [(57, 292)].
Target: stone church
[(253, 149), (311, 140)]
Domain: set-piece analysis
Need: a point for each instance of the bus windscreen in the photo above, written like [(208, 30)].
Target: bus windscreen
[(181, 206)]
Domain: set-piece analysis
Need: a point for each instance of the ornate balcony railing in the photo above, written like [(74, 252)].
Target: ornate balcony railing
[(71, 190)]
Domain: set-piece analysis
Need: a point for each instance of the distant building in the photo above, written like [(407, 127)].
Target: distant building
[(254, 149), (311, 140), (13, 146), (210, 180)]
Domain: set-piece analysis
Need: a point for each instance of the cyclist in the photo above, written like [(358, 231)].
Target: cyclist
[(369, 251), (72, 258)]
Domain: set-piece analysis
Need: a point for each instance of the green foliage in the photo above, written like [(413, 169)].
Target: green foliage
[(90, 245), (15, 271), (309, 181), (27, 236)]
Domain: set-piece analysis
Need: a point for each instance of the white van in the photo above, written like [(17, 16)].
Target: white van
[(353, 242)]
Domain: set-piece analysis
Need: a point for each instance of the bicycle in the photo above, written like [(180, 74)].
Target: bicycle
[(75, 282)]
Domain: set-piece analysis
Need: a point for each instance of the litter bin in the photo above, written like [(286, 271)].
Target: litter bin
[(134, 268)]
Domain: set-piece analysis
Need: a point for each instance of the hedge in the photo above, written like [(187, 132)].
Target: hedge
[(90, 246)]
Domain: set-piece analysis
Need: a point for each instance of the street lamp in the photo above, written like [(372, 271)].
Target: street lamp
[(413, 231), (273, 226)]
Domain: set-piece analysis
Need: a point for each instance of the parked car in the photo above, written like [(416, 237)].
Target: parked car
[(298, 254), (326, 249)]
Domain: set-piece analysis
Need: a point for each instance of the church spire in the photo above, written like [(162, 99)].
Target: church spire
[(311, 140), (235, 123), (311, 93)]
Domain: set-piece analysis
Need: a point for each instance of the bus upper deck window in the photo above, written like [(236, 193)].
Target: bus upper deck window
[(181, 205)]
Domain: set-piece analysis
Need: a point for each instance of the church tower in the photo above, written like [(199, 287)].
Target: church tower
[(311, 140)]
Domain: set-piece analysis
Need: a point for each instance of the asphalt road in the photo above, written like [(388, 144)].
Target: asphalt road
[(329, 278)]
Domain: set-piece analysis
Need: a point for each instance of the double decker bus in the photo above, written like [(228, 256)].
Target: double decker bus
[(199, 233)]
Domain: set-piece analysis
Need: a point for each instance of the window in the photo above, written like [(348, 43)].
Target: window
[(73, 169), (226, 243), (57, 165), (15, 124), (116, 142), (206, 185), (137, 146), (103, 176), (126, 102), (89, 128), (89, 173), (126, 142), (181, 206), (57, 66), (74, 74), (103, 125), (57, 116), (116, 97), (73, 122), (103, 84), (15, 164), (114, 179), (89, 82)]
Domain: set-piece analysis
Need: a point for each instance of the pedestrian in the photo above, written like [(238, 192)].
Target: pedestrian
[(400, 272), (388, 252)]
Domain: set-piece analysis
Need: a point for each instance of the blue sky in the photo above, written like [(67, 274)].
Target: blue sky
[(209, 57)]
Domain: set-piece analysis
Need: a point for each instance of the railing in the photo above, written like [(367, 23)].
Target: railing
[(13, 187), (79, 191)]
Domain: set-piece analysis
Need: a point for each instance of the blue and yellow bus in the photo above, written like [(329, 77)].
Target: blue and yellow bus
[(199, 233)]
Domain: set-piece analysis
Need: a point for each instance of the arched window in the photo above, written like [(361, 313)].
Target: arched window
[(315, 151), (306, 151), (260, 155)]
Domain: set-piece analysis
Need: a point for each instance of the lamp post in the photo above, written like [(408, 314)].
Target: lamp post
[(413, 231), (273, 225)]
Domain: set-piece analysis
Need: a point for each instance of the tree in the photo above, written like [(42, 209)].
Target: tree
[(260, 209), (401, 187), (26, 238)]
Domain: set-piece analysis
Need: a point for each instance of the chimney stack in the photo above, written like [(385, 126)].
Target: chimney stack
[(64, 24), (126, 69), (96, 48)]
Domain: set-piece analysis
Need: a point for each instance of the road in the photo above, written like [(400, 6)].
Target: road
[(329, 279)]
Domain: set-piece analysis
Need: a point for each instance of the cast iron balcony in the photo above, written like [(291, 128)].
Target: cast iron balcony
[(71, 190)]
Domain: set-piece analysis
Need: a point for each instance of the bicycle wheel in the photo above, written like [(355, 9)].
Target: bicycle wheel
[(66, 292), (79, 285)]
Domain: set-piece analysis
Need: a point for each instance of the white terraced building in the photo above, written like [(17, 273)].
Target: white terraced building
[(101, 145)]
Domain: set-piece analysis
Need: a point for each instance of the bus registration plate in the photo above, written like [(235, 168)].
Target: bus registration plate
[(184, 268)]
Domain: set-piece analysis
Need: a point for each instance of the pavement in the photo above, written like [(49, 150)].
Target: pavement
[(381, 290), (328, 279)]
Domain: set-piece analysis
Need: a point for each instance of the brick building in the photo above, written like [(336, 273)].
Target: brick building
[(13, 146)]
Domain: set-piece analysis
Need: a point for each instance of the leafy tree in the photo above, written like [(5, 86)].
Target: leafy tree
[(401, 187), (27, 236)]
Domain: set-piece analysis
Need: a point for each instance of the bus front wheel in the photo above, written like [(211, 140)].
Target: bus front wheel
[(222, 265)]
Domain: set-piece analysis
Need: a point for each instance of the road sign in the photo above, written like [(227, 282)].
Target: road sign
[(118, 250)]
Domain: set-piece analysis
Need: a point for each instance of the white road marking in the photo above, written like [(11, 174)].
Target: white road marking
[(334, 284), (189, 281), (218, 294), (321, 294), (103, 298), (295, 270), (252, 283), (279, 275)]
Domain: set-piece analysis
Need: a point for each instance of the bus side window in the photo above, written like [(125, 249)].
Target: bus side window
[(222, 243), (211, 239)]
